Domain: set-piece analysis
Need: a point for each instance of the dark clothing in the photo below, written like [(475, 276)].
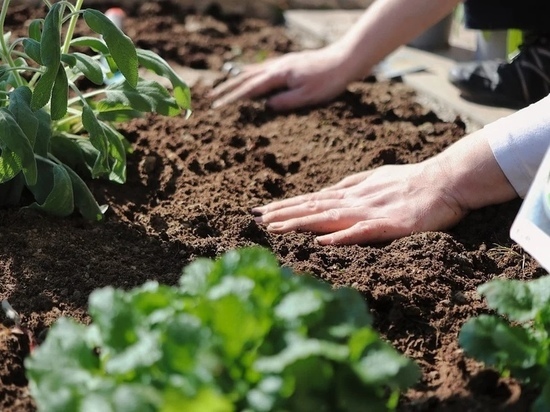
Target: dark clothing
[(529, 15)]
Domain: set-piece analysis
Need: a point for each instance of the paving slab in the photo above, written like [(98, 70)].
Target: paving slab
[(425, 71)]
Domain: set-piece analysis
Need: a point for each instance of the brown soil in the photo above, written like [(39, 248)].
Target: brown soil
[(192, 182)]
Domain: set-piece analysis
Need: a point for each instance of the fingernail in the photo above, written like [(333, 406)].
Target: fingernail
[(275, 226), (216, 104), (256, 211), (323, 240)]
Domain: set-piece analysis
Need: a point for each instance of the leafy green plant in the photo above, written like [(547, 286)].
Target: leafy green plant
[(237, 334), (517, 342), (51, 132)]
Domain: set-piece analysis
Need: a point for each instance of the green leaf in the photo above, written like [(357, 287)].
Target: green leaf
[(32, 48), (519, 300), (142, 353), (206, 400), (53, 190), (159, 66), (50, 40), (118, 114), (89, 68), (50, 56), (493, 341), (77, 153), (385, 366), (44, 133), (299, 304), (135, 398), (42, 92), (542, 403), (509, 297), (94, 43), (35, 29), (115, 319), (20, 108), (99, 140), (214, 344), (66, 347), (117, 153), (83, 198), (60, 94), (146, 96), (301, 349), (120, 46), (17, 154)]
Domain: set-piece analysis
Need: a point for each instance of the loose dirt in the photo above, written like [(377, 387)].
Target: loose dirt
[(191, 184)]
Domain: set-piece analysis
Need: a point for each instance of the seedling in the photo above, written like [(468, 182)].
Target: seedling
[(518, 341), (52, 134), (237, 334)]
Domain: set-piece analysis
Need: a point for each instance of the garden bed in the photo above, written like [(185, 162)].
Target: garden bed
[(191, 184)]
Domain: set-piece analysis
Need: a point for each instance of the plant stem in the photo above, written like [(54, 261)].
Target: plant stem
[(72, 26), (5, 48)]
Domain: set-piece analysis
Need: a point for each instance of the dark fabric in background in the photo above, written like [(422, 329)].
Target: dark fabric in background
[(531, 15)]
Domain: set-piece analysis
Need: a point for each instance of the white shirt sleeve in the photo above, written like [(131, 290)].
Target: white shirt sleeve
[(520, 141)]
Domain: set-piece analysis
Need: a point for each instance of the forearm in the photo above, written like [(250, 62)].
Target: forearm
[(385, 26), (472, 174)]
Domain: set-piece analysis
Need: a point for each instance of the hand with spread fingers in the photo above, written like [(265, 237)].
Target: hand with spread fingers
[(368, 207), (393, 201), (303, 78), (316, 76)]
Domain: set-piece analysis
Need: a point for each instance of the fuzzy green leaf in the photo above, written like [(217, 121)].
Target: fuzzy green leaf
[(43, 89), (93, 43), (493, 341), (159, 66), (89, 68), (118, 114), (60, 94), (77, 153), (20, 108), (42, 144), (17, 154), (32, 48), (120, 46), (519, 300), (117, 154), (53, 190), (84, 199), (99, 140), (50, 56), (147, 97), (35, 29), (50, 40)]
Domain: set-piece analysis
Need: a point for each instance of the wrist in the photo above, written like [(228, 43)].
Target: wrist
[(471, 174), (350, 65)]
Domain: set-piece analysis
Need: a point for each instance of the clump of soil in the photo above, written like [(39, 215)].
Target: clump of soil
[(192, 182)]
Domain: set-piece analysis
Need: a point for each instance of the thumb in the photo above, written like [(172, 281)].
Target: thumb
[(288, 100)]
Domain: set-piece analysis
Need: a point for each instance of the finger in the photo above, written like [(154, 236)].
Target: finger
[(349, 181), (311, 207), (252, 87), (363, 232), (233, 82), (290, 99), (332, 220), (294, 201)]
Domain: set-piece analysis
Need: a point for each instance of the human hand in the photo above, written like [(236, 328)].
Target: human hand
[(374, 206), (306, 78)]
